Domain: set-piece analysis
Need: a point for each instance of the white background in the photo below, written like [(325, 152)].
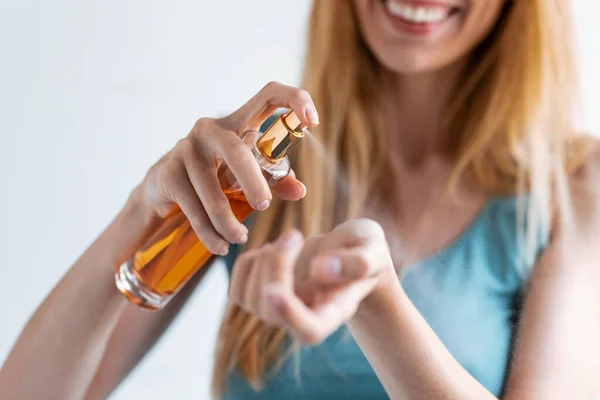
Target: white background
[(92, 93)]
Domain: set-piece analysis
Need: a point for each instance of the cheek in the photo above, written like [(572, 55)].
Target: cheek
[(478, 23), (476, 26)]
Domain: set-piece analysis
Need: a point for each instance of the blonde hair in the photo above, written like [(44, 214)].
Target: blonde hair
[(512, 127)]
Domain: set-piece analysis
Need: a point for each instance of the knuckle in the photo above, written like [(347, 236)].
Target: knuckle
[(245, 306), (245, 257), (230, 234), (267, 250), (218, 207), (362, 264), (373, 227), (301, 96), (239, 152), (271, 86), (184, 147), (198, 222), (231, 122), (365, 229), (275, 254), (163, 209), (202, 125), (153, 172), (171, 171)]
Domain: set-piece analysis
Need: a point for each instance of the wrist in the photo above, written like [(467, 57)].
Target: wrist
[(128, 231), (385, 290), (136, 209)]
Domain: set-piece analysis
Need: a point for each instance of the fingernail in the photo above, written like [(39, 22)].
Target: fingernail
[(305, 190), (311, 115), (243, 239), (331, 267), (224, 250), (263, 205)]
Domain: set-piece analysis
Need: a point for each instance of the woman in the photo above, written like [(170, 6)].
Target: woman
[(436, 118)]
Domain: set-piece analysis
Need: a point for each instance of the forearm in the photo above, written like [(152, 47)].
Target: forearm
[(407, 356), (61, 346)]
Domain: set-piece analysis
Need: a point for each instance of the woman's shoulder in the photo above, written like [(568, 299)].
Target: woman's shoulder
[(576, 223), (584, 188), (573, 244), (585, 160)]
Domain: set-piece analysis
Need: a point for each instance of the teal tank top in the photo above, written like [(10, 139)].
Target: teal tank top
[(469, 293)]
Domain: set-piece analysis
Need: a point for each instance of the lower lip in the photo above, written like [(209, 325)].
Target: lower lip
[(405, 26)]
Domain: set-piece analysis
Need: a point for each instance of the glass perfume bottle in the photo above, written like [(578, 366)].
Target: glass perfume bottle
[(173, 254)]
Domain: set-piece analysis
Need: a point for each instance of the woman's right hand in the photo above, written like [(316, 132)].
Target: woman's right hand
[(187, 175)]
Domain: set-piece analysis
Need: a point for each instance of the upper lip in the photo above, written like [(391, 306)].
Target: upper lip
[(443, 3)]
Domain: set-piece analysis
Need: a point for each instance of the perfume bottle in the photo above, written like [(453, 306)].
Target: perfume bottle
[(173, 253)]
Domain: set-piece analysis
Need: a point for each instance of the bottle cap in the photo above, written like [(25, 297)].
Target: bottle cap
[(285, 132)]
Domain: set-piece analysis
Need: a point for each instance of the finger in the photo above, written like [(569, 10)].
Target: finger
[(278, 267), (203, 176), (239, 276), (290, 188), (275, 95), (184, 195), (253, 293), (311, 326), (263, 263), (294, 315), (342, 305), (356, 232), (348, 264), (282, 258), (243, 165)]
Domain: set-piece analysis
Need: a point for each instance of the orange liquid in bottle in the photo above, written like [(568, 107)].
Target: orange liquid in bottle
[(173, 253), (176, 253)]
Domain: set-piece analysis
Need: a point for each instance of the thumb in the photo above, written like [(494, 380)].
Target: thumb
[(290, 188)]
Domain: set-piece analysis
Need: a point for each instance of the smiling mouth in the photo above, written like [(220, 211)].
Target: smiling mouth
[(420, 13)]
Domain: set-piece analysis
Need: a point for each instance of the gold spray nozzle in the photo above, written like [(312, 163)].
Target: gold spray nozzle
[(285, 132)]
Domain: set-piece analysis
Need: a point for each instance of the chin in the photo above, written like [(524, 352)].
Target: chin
[(420, 36), (409, 62)]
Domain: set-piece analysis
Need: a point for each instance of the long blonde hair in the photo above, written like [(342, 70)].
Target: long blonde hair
[(512, 127)]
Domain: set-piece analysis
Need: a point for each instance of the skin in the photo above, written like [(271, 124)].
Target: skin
[(85, 338), (311, 286), (557, 346)]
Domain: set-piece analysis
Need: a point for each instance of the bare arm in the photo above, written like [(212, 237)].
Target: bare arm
[(352, 281), (557, 348), (558, 341), (133, 336), (85, 338), (61, 346)]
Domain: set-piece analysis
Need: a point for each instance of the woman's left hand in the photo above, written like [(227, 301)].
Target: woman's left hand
[(311, 287)]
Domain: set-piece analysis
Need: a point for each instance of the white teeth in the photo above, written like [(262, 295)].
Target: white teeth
[(418, 15), (421, 14)]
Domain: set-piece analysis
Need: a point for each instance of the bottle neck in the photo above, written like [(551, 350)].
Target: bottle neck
[(272, 169), (280, 137)]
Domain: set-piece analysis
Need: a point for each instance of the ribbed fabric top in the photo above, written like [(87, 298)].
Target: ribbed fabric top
[(469, 293)]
